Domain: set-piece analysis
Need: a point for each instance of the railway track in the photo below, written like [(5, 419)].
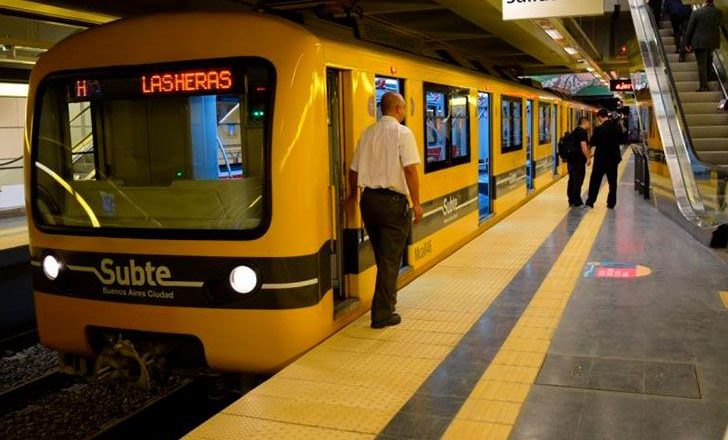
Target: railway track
[(168, 417), (20, 340)]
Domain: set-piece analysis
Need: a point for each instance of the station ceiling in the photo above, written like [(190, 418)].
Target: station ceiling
[(470, 33)]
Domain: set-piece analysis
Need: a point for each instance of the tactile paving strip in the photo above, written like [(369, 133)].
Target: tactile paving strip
[(493, 406)]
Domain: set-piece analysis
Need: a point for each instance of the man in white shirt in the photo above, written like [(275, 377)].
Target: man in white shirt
[(385, 166)]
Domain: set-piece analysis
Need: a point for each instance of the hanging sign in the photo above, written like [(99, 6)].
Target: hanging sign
[(529, 9), (620, 85)]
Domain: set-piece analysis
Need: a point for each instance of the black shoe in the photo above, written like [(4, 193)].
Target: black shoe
[(391, 321), (610, 207)]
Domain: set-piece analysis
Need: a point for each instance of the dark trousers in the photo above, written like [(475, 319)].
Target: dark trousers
[(704, 57), (577, 171), (387, 219), (597, 175), (678, 22), (656, 6)]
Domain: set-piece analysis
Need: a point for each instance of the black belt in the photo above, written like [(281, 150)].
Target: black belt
[(385, 191)]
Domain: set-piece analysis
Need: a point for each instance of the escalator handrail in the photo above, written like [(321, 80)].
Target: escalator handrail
[(677, 102), (679, 150)]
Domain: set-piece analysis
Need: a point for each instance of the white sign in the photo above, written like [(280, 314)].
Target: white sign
[(527, 9)]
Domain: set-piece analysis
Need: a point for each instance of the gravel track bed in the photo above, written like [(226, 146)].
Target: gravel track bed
[(25, 365), (79, 411)]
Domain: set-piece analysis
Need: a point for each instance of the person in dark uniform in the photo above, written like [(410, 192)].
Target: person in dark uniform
[(656, 6), (578, 160), (679, 15), (385, 166), (607, 156), (703, 37)]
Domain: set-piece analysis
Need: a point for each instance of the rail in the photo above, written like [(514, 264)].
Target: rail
[(688, 173)]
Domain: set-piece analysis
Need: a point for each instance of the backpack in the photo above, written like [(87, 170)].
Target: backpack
[(566, 146)]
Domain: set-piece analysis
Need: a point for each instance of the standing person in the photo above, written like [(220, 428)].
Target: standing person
[(703, 37), (385, 166), (579, 158), (607, 156), (679, 15), (656, 6)]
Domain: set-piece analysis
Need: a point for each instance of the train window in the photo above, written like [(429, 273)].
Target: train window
[(168, 147), (511, 124), (383, 85), (447, 126), (544, 122), (80, 131)]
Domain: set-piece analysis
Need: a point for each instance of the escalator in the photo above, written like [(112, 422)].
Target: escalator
[(693, 131)]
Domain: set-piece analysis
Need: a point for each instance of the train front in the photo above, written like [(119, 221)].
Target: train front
[(177, 177)]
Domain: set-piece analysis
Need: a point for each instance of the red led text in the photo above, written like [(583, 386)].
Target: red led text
[(196, 81), (81, 89)]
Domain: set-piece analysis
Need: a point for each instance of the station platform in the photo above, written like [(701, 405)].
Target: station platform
[(556, 323), (13, 241)]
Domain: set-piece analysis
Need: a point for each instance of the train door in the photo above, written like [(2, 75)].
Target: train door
[(337, 188), (555, 137), (529, 144), (484, 146)]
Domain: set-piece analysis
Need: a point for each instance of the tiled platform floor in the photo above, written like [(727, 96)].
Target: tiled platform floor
[(467, 360), (13, 232), (652, 337)]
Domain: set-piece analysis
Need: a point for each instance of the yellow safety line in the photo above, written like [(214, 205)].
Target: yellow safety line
[(724, 297), (492, 407)]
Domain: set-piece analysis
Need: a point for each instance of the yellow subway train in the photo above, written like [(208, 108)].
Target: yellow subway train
[(186, 190)]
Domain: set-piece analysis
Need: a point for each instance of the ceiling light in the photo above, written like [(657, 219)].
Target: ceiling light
[(553, 33), (590, 69), (570, 50), (13, 89)]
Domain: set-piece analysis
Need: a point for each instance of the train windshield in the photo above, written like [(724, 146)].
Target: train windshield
[(166, 147)]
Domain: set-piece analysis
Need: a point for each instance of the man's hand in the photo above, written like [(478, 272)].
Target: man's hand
[(688, 48), (418, 212)]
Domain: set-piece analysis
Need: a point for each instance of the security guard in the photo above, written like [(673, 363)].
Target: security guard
[(607, 156), (385, 166)]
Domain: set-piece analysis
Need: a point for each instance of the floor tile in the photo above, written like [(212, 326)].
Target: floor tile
[(617, 375)]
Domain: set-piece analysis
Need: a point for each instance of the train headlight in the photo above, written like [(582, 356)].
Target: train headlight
[(51, 267), (243, 279)]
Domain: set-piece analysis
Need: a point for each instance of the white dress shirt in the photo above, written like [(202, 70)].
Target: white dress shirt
[(384, 149)]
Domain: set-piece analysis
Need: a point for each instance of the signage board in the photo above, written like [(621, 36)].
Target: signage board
[(613, 269), (621, 85), (531, 9)]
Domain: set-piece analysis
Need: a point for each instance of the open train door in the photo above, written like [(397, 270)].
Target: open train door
[(337, 191)]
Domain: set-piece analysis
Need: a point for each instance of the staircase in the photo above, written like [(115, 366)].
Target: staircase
[(708, 128)]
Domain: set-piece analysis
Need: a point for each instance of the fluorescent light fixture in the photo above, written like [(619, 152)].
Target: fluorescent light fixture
[(14, 90), (553, 33), (590, 69), (570, 50)]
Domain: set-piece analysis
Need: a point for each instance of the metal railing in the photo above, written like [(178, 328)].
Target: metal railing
[(688, 174)]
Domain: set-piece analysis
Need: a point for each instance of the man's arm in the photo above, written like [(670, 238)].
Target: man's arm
[(689, 33), (413, 184), (353, 184), (585, 150)]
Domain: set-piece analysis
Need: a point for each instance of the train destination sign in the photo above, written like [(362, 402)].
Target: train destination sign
[(530, 9), (621, 85), (148, 82), (196, 81)]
